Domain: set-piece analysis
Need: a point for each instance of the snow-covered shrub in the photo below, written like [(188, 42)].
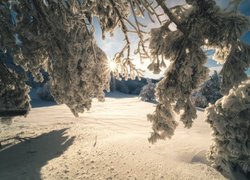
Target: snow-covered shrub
[(208, 92), (148, 92), (44, 92), (199, 100), (229, 119), (211, 88)]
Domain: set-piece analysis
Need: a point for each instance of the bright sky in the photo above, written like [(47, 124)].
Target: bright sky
[(112, 45)]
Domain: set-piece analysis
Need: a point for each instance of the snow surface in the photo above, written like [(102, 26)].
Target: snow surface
[(107, 142)]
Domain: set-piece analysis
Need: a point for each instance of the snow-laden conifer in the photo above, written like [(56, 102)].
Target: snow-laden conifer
[(201, 24), (229, 119), (208, 92), (44, 92), (148, 91)]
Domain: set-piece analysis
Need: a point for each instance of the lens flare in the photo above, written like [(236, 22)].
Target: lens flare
[(112, 66)]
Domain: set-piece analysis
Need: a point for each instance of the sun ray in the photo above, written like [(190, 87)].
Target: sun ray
[(112, 66)]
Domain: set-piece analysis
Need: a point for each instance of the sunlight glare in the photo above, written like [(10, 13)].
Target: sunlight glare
[(112, 66)]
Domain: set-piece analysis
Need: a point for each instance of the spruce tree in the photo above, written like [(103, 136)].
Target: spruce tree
[(148, 91), (208, 92)]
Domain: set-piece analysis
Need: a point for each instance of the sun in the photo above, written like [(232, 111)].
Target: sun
[(112, 66)]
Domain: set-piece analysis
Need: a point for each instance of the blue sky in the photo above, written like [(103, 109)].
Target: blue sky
[(112, 45)]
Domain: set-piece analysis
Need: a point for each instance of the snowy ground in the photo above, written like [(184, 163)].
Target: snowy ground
[(108, 142)]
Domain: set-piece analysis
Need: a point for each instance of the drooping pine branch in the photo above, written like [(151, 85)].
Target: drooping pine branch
[(237, 62), (185, 74), (171, 16)]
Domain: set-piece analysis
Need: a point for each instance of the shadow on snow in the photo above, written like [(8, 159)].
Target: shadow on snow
[(25, 160)]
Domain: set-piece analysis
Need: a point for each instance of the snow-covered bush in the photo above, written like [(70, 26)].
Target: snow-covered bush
[(208, 92), (229, 119), (148, 91), (211, 88), (44, 92), (199, 100)]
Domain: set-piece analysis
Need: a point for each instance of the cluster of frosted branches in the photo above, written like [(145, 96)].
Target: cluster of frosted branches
[(187, 71), (206, 25), (125, 67), (183, 75), (13, 91), (57, 37), (229, 120), (236, 63), (148, 91)]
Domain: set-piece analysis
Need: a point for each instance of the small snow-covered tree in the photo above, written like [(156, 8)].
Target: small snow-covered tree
[(44, 92), (211, 88), (199, 100), (148, 91), (208, 92)]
